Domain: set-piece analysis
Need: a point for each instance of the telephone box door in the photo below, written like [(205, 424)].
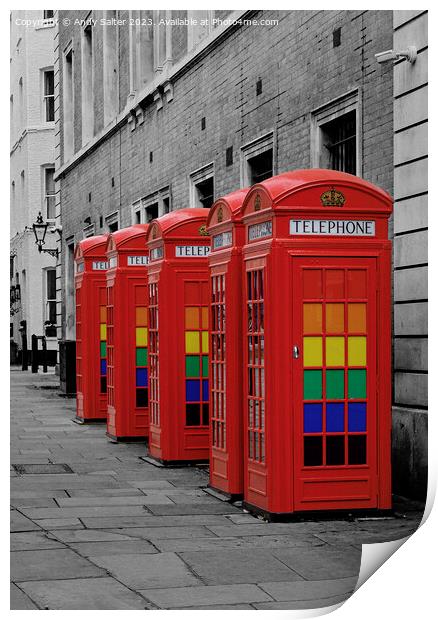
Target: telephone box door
[(333, 352)]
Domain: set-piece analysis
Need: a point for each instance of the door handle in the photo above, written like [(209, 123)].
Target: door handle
[(295, 352)]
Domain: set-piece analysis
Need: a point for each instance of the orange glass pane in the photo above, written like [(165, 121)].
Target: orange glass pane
[(357, 283), (141, 316), (204, 314), (103, 314), (334, 318), (192, 318), (334, 284), (312, 318), (357, 317), (312, 283)]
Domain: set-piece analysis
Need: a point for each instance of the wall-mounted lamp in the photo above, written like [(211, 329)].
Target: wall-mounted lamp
[(410, 54), (40, 230)]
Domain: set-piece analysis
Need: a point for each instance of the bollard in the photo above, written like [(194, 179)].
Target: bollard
[(34, 340), (24, 353), (44, 351)]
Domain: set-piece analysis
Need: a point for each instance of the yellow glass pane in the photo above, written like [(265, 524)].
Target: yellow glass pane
[(334, 318), (103, 331), (334, 351), (103, 314), (312, 318), (205, 317), (192, 318), (357, 317), (141, 336), (312, 351), (141, 316), (192, 342), (357, 351), (205, 342)]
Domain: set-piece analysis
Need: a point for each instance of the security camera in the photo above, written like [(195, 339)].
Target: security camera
[(410, 54)]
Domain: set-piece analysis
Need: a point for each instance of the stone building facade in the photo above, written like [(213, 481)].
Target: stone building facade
[(32, 127), (410, 256), (161, 110)]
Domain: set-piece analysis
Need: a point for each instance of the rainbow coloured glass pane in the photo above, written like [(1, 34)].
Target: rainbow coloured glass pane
[(312, 418), (335, 417), (141, 377)]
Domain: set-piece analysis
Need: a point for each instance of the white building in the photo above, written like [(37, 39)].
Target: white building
[(33, 274)]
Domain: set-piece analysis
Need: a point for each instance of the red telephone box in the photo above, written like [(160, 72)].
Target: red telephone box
[(178, 278), (227, 234), (317, 384), (127, 342), (91, 321)]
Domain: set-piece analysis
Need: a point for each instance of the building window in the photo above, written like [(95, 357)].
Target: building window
[(335, 135), (48, 14), (202, 187), (151, 212), (257, 160), (89, 231), (87, 84), (112, 221), (49, 193), (49, 96), (68, 105), (50, 303)]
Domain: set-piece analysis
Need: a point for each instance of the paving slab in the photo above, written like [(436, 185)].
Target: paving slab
[(25, 541), (147, 571), (331, 604), (246, 542), (20, 600), (334, 563), (113, 547), (309, 590), (180, 598), (60, 524), (76, 493), (69, 536), (83, 511), (50, 564), (20, 523), (173, 532), (93, 593), (238, 566), (193, 509)]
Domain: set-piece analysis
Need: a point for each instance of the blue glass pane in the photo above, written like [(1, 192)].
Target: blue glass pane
[(205, 390), (103, 367), (357, 417), (193, 390), (141, 377), (335, 418), (313, 418)]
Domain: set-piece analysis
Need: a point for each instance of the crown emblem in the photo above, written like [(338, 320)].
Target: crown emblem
[(332, 198), (203, 231), (154, 232), (257, 203), (220, 215)]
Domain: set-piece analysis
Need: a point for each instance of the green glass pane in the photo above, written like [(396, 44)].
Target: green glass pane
[(334, 383), (192, 366), (312, 384), (205, 365), (357, 383), (141, 356), (103, 349)]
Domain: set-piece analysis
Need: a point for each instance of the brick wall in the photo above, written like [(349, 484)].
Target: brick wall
[(300, 71)]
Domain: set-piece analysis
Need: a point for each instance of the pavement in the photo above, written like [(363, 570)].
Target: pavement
[(95, 527)]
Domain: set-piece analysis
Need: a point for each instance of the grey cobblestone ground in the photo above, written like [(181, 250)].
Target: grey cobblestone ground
[(119, 533)]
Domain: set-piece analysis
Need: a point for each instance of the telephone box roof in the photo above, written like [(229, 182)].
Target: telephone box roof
[(174, 221), (287, 190), (92, 246), (231, 205), (124, 236)]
